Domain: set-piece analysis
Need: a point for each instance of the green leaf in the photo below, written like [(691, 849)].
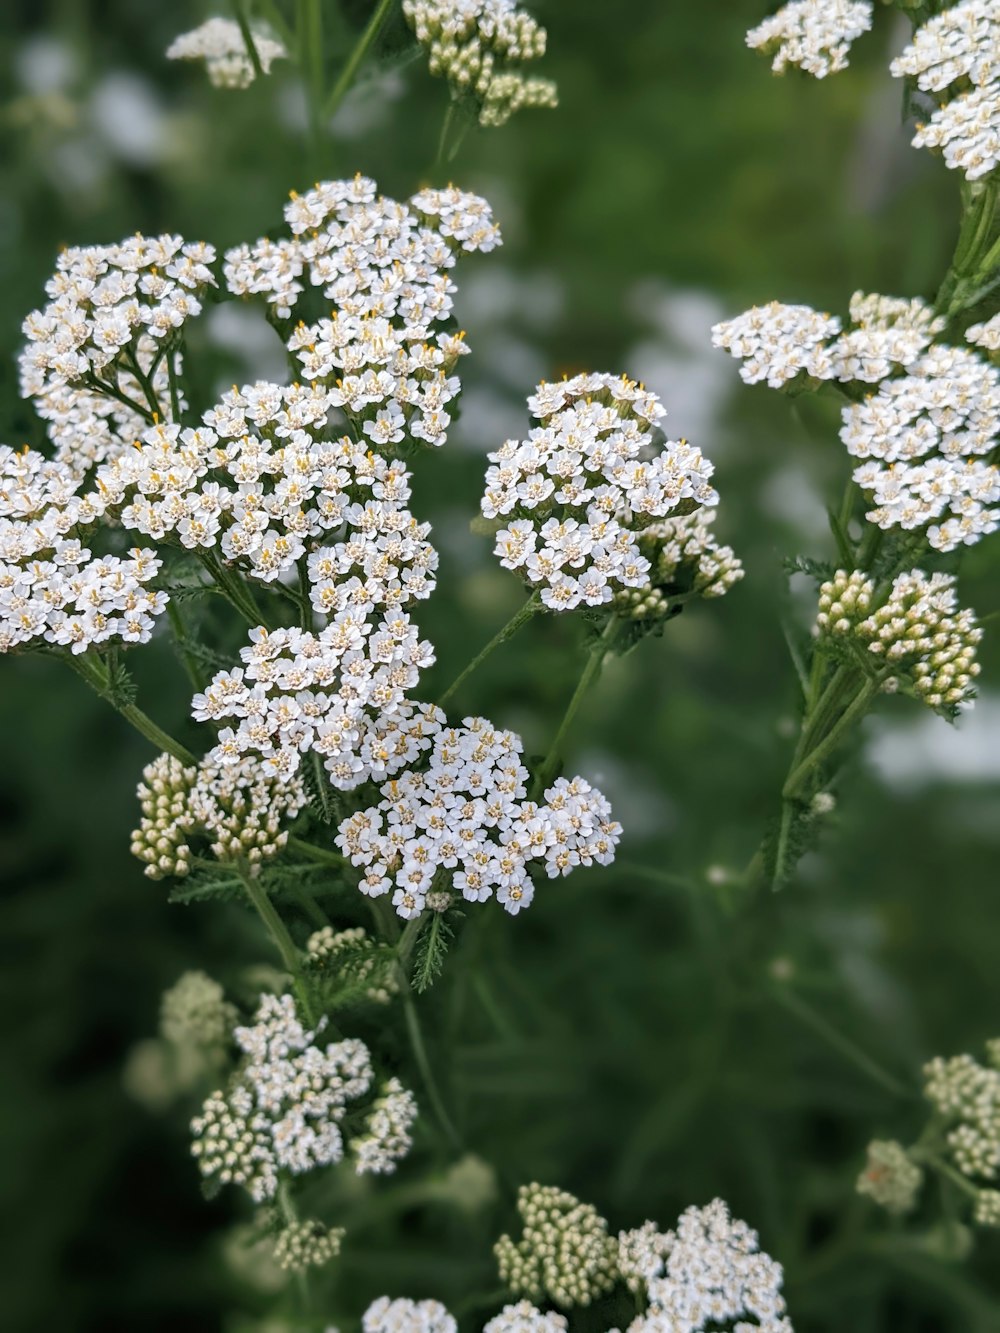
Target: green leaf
[(431, 951)]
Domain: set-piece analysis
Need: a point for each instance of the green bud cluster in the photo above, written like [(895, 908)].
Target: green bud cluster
[(890, 1177), (195, 1012), (565, 1253), (309, 1244), (324, 946), (685, 559), (919, 631), (477, 48)]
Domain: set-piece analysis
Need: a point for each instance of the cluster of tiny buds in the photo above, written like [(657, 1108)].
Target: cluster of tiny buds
[(478, 45), (583, 485), (238, 809), (966, 1094), (890, 1177), (300, 1246), (955, 55), (195, 1012), (463, 824), (565, 1252), (386, 1138), (918, 631), (814, 35), (221, 45), (327, 948), (684, 559)]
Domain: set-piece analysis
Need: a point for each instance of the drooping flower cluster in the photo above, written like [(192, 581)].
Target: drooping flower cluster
[(565, 1253), (405, 1316), (463, 824), (300, 1246), (918, 636), (815, 35), (684, 559), (53, 588), (479, 46), (386, 1138), (776, 343), (584, 484), (221, 44), (283, 1112), (890, 1177), (239, 809), (335, 693), (966, 1094), (111, 308), (951, 51), (708, 1271), (353, 950)]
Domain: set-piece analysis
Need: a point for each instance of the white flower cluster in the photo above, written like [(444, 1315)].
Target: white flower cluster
[(463, 823), (477, 45), (985, 335), (925, 438), (523, 1317), (684, 558), (258, 483), (919, 632), (54, 589), (338, 693), (238, 808), (890, 1178), (386, 1138), (777, 342), (195, 1012), (951, 51), (706, 1272), (220, 43), (104, 301), (583, 485), (283, 1112), (299, 1246), (565, 1252), (405, 1316), (815, 35), (328, 948), (967, 1095)]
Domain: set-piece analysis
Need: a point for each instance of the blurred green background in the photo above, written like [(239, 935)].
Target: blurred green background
[(632, 1050)]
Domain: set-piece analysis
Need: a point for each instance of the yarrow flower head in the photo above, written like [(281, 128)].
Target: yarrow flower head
[(565, 1252), (951, 51), (300, 1246), (966, 1094), (221, 45), (815, 35), (918, 636), (986, 335), (405, 1316), (195, 1012), (583, 486), (238, 809), (707, 1272), (523, 1317), (463, 825), (339, 693), (284, 1109), (890, 1177), (479, 46), (777, 343), (386, 1138)]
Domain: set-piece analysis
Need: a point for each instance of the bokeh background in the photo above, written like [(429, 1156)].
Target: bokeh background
[(625, 1039)]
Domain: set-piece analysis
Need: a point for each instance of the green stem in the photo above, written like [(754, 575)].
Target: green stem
[(855, 710), (280, 937), (419, 1049), (592, 669), (188, 661), (346, 77), (519, 618), (112, 391), (98, 681), (240, 15), (320, 854), (233, 589), (805, 1013), (175, 396), (276, 19), (143, 381), (310, 56), (442, 156), (938, 1164)]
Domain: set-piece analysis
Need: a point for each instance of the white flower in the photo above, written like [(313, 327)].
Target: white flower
[(405, 1316), (463, 823), (523, 1317), (386, 1139), (220, 43), (985, 335), (581, 487), (816, 35)]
